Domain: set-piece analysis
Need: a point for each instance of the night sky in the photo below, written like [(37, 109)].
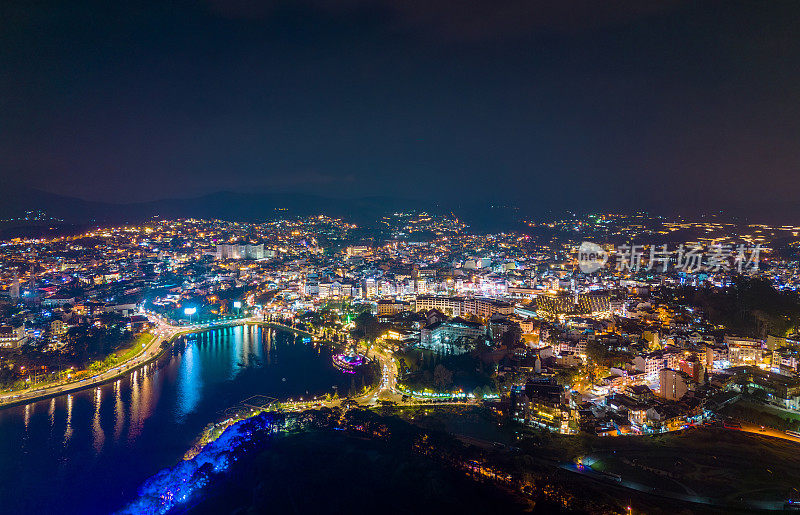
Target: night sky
[(584, 103)]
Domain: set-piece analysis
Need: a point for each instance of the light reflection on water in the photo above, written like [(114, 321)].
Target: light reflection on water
[(88, 452), (68, 431), (98, 434), (119, 410), (190, 383), (51, 411)]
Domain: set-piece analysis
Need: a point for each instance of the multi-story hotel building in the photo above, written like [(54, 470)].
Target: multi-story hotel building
[(461, 306)]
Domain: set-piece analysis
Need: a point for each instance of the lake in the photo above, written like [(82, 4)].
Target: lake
[(90, 451)]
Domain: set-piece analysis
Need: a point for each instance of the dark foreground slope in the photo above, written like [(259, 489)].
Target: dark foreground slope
[(321, 472)]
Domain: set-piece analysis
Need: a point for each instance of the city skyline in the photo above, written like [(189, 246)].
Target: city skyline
[(559, 358)]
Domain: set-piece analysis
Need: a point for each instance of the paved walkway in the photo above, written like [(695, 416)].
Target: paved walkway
[(161, 331)]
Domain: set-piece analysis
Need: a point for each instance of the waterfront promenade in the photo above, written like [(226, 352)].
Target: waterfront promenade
[(151, 350)]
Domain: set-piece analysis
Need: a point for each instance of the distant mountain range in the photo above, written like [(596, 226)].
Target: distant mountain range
[(246, 207), (255, 207)]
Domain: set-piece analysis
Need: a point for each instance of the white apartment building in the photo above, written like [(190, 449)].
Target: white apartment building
[(651, 364), (235, 251), (461, 306)]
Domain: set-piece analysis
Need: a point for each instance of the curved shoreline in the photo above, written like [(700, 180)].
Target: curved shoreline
[(207, 437), (71, 388)]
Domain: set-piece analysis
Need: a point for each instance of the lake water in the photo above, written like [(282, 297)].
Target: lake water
[(90, 451)]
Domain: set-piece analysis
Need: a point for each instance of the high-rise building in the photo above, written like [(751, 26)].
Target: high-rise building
[(14, 291), (357, 250), (238, 251), (370, 288), (672, 384), (744, 351)]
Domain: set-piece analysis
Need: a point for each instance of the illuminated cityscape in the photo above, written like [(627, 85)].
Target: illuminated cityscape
[(460, 322), (399, 257)]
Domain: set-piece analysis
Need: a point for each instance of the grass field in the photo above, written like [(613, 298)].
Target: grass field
[(468, 420), (709, 462), (718, 463), (134, 348)]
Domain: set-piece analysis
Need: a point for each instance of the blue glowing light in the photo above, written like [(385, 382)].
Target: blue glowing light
[(173, 486)]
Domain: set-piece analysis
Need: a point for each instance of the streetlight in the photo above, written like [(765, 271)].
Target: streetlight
[(189, 312)]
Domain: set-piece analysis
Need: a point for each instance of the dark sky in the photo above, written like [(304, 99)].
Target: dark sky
[(575, 103)]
